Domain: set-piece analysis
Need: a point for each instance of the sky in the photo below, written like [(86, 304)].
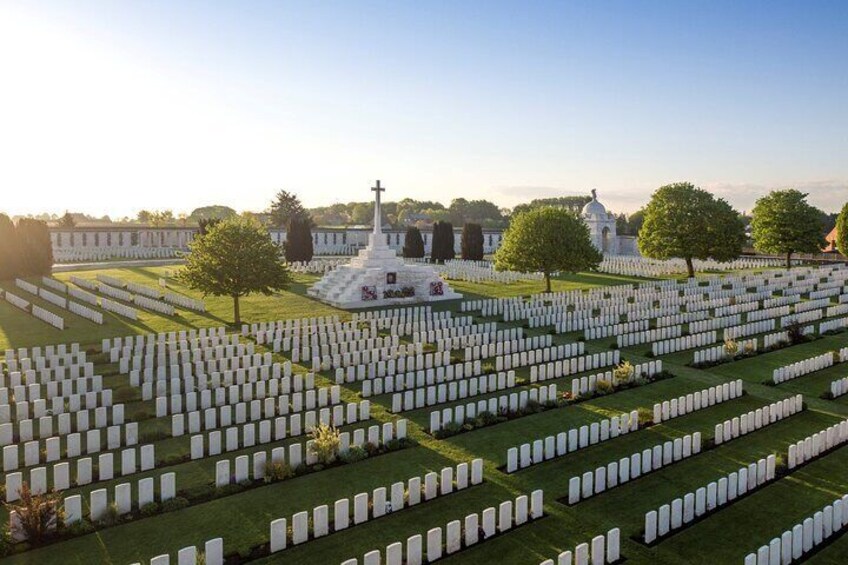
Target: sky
[(111, 107)]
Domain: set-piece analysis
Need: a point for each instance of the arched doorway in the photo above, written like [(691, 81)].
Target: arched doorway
[(605, 240)]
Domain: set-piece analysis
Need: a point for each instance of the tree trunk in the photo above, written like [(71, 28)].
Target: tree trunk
[(236, 312), (547, 281), (788, 260), (690, 268)]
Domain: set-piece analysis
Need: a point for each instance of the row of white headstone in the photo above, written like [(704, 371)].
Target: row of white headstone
[(676, 344), (626, 469), (481, 271), (663, 333), (804, 537), (753, 420), (749, 329), (601, 332), (506, 403), (458, 534), (839, 387), (588, 384), (277, 398), (452, 391), (119, 309), (557, 369), (213, 554), (717, 322), (376, 435), (550, 447), (61, 475), (370, 506), (99, 499), (284, 426), (688, 403), (832, 325), (814, 445), (25, 427), (682, 511), (180, 339), (601, 550), (80, 255), (807, 366), (52, 446), (506, 347), (722, 353)]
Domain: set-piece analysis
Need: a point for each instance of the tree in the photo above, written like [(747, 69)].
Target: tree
[(205, 224), (9, 250), (785, 223), (573, 203), (413, 243), (689, 223), (841, 231), (471, 244), (298, 245), (144, 216), (635, 221), (442, 248), (67, 221), (215, 212), (547, 240), (35, 248), (325, 443), (235, 258), (286, 207), (38, 514)]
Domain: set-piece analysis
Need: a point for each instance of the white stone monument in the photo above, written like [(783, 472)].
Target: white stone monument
[(378, 277)]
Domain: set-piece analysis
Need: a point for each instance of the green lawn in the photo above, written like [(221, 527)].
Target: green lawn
[(725, 536)]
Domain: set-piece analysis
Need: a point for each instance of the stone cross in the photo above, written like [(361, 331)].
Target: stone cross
[(378, 229)]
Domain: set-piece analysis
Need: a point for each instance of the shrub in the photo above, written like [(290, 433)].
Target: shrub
[(795, 331), (533, 407), (325, 443), (731, 347), (623, 372), (277, 471), (174, 504), (646, 416), (38, 513), (149, 509), (603, 387), (449, 429), (354, 454)]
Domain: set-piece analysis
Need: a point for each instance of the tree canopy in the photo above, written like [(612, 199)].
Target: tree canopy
[(9, 255), (842, 231), (685, 222), (214, 212), (547, 240), (573, 203), (235, 258), (287, 207), (784, 223)]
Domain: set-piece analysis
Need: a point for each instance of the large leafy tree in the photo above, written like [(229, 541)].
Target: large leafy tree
[(9, 250), (34, 247), (547, 240), (235, 258), (413, 243), (784, 223), (67, 221), (471, 244), (215, 212), (685, 222), (842, 231), (287, 207)]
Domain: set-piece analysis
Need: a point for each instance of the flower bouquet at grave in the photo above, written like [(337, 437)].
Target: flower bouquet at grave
[(369, 293), (437, 288)]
